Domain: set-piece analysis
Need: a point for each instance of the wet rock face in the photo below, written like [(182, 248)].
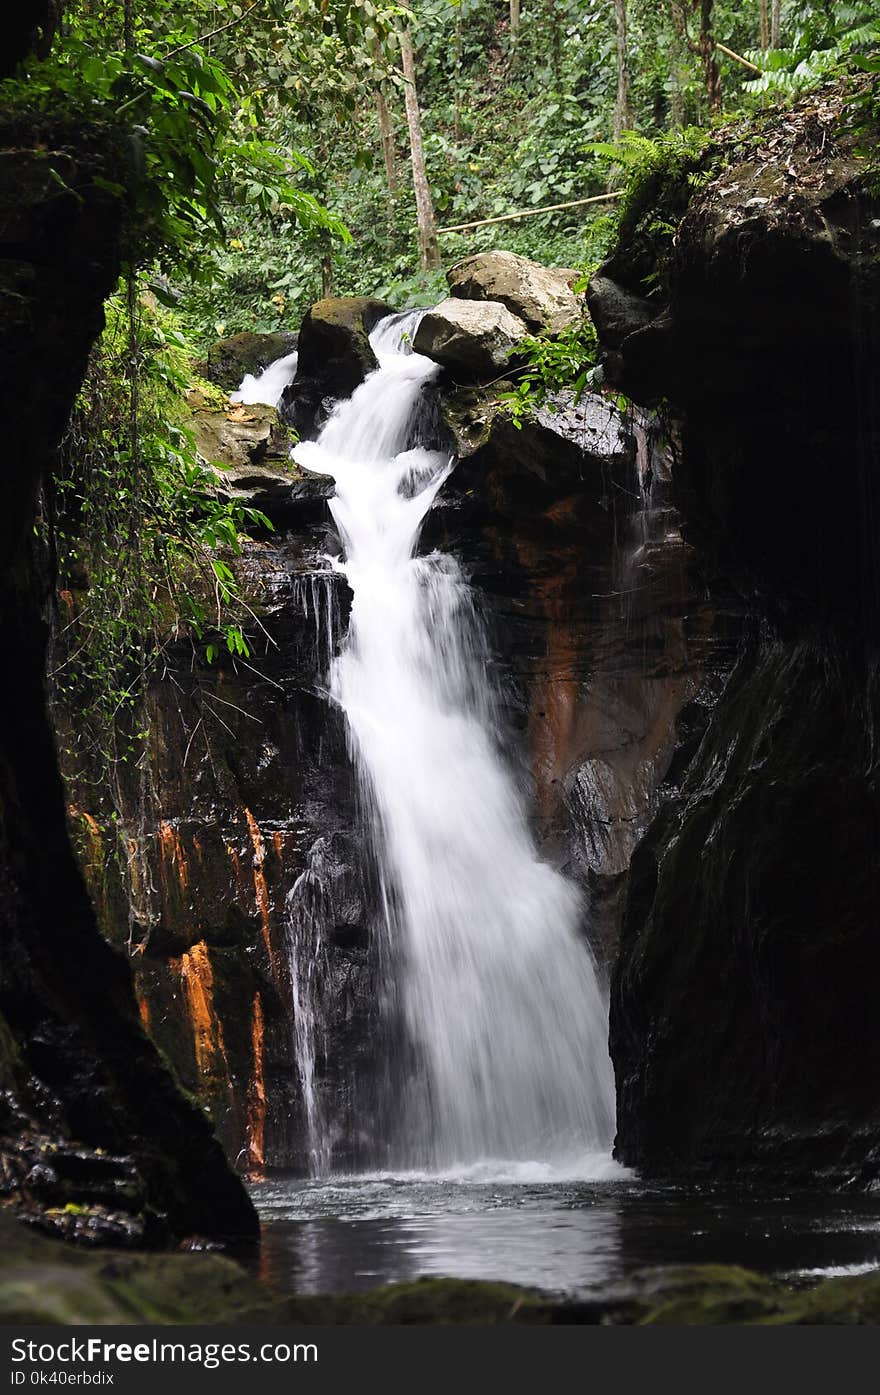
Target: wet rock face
[(741, 1031), (767, 347), (751, 927), (87, 1105), (540, 296), (604, 641), (250, 805)]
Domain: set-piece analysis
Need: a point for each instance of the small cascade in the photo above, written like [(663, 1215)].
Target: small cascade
[(267, 387), (309, 915), (502, 1022), (316, 597)]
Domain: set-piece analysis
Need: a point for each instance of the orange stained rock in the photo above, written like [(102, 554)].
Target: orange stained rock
[(144, 1009), (554, 698), (198, 984), (257, 1096), (234, 858), (172, 851), (261, 890), (93, 854)]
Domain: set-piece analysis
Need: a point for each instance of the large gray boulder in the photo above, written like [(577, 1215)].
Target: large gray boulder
[(539, 295), (475, 339)]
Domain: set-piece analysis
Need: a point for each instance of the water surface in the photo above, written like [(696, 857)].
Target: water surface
[(572, 1237)]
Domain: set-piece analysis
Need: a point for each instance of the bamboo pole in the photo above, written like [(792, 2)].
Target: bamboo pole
[(531, 212), (738, 56)]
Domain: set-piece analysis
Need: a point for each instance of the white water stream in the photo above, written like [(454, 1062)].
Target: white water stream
[(504, 1017), (268, 386)]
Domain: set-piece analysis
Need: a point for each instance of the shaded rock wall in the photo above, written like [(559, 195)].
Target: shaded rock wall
[(608, 649), (88, 1111), (742, 1029), (195, 872)]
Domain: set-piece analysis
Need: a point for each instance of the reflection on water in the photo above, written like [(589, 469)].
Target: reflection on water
[(565, 1236)]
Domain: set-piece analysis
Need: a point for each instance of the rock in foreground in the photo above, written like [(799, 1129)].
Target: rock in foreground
[(474, 339)]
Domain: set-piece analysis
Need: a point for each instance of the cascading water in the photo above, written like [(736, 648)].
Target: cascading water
[(267, 387), (505, 1022)]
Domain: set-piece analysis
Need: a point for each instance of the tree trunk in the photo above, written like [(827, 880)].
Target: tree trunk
[(677, 104), (456, 129), (514, 24), (386, 134), (622, 116), (555, 41), (429, 251), (326, 267), (775, 17), (706, 50), (765, 24)]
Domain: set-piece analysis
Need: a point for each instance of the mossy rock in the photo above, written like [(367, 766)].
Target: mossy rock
[(228, 360), (46, 1281), (335, 357), (455, 1302), (725, 1295)]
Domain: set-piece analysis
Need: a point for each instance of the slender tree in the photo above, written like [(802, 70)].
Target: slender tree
[(514, 24), (775, 18), (456, 126), (386, 135), (678, 105), (429, 250), (555, 26), (622, 114), (765, 24), (704, 46)]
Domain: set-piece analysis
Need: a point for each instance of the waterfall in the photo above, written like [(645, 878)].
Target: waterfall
[(505, 1024)]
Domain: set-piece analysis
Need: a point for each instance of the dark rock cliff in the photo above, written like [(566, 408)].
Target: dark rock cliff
[(89, 1114), (744, 1033)]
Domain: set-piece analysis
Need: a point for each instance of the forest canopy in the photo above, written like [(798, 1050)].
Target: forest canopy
[(281, 150)]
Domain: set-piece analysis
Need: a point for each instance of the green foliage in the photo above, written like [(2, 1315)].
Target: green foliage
[(826, 43), (193, 137), (659, 176), (565, 363), (143, 542)]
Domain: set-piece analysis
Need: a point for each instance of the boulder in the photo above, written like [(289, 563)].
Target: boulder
[(474, 339), (539, 295), (248, 447), (334, 358), (228, 360)]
